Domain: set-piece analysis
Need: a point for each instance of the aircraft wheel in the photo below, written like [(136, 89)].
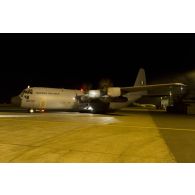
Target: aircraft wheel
[(31, 110)]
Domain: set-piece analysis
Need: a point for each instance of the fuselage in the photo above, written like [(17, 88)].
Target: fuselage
[(41, 98), (49, 98)]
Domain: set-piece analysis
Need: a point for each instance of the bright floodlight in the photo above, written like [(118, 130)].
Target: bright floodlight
[(94, 93)]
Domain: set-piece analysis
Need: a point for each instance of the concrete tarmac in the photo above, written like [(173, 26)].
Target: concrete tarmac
[(129, 135)]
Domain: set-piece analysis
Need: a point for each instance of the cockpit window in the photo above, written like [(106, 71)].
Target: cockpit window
[(26, 91)]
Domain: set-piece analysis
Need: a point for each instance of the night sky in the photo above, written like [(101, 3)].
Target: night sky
[(69, 60)]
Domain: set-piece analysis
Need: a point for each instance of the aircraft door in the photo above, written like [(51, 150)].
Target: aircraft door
[(42, 104)]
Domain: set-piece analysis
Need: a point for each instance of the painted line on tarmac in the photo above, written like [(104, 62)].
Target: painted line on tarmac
[(161, 128), (63, 114), (13, 116)]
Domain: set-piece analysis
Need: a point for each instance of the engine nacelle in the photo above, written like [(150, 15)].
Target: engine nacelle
[(94, 93), (114, 91)]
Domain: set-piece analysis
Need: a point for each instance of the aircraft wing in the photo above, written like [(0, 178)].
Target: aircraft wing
[(150, 87)]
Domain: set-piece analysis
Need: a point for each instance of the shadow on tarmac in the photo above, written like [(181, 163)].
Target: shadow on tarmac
[(177, 130)]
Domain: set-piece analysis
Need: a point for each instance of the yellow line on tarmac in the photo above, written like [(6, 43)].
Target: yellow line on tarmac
[(161, 128)]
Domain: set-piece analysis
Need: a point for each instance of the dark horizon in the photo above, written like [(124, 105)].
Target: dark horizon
[(69, 60)]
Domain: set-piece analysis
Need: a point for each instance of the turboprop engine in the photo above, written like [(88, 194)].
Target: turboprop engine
[(114, 91), (94, 93), (111, 92), (98, 101)]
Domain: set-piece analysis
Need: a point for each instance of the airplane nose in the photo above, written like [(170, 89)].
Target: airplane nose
[(16, 100)]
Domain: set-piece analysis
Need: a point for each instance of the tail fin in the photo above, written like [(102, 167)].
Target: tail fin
[(141, 78)]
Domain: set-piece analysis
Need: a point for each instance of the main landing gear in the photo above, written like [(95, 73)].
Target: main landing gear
[(32, 110)]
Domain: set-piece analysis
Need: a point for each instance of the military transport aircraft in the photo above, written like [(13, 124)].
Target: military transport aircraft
[(92, 101)]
